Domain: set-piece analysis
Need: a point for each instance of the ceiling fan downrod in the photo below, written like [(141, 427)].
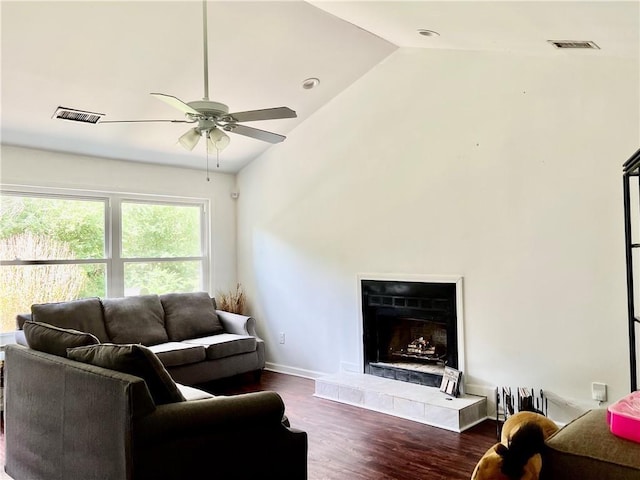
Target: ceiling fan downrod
[(205, 50)]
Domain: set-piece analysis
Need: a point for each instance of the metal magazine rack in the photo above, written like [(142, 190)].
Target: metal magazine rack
[(523, 400), (631, 186)]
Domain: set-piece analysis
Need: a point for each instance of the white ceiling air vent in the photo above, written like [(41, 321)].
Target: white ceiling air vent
[(74, 115), (574, 44)]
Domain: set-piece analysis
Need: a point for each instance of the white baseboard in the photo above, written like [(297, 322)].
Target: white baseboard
[(298, 372)]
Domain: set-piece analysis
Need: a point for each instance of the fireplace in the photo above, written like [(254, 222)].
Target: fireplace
[(410, 329)]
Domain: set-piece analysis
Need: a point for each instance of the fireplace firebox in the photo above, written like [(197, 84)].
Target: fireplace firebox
[(409, 330)]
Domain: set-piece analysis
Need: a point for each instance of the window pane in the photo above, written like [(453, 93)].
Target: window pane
[(153, 230), (34, 228), (162, 277), (25, 285)]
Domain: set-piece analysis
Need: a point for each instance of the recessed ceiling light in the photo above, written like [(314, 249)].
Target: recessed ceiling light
[(310, 83), (428, 33)]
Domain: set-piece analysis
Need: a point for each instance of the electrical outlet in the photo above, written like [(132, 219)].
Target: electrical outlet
[(282, 338), (599, 391)]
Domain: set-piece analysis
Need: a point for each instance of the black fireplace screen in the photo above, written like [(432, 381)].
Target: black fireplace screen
[(409, 327)]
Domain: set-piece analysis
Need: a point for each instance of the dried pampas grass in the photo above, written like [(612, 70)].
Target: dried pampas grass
[(233, 301)]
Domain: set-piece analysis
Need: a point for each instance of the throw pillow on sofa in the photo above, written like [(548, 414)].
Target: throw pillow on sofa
[(135, 360), (137, 319), (190, 315), (55, 340)]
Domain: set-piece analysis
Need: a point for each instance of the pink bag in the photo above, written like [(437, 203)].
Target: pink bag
[(623, 417)]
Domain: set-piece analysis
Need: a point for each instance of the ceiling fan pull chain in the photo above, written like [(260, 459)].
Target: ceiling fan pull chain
[(208, 179), (217, 158)]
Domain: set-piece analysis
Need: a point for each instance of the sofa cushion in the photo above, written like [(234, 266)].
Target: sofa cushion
[(190, 315), (55, 340), (191, 393), (138, 319), (84, 315), (136, 360), (21, 318), (172, 354), (225, 345)]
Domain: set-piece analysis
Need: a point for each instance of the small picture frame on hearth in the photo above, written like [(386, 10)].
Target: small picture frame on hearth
[(451, 381)]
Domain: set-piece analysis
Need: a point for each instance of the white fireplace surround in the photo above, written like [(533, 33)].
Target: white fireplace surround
[(457, 279), (419, 403)]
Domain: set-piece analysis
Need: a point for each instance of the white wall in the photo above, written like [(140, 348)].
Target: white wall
[(23, 166), (504, 169)]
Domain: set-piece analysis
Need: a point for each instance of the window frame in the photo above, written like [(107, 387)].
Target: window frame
[(61, 196), (114, 271), (118, 261)]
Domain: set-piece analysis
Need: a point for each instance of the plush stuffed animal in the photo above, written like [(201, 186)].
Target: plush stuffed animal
[(517, 456)]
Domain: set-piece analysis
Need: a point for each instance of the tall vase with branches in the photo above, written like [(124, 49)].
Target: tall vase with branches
[(233, 300)]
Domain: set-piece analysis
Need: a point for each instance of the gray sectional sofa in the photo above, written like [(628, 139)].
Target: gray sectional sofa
[(67, 419), (196, 342)]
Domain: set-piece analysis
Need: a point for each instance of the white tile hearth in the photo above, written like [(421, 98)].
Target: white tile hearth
[(422, 404)]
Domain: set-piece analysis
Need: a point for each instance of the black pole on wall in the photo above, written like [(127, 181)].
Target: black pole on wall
[(631, 169)]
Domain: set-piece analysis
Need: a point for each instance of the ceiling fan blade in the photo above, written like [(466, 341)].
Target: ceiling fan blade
[(255, 133), (265, 114), (145, 121), (175, 102)]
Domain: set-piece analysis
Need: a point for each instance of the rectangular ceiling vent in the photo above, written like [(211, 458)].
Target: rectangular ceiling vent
[(74, 115), (574, 44)]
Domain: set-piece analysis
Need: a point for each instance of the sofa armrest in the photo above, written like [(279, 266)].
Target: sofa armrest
[(241, 436), (198, 417), (238, 324), (20, 338)]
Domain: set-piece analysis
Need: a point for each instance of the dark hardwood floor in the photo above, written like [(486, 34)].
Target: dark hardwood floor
[(351, 443)]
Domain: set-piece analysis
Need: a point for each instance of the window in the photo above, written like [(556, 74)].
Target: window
[(161, 247), (51, 249), (62, 247)]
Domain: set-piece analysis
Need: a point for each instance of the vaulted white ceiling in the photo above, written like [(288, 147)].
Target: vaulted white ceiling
[(107, 57)]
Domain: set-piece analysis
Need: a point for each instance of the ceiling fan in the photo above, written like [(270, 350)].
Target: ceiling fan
[(212, 118)]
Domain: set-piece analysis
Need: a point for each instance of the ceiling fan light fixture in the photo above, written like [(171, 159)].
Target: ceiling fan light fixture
[(190, 139), (218, 140)]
